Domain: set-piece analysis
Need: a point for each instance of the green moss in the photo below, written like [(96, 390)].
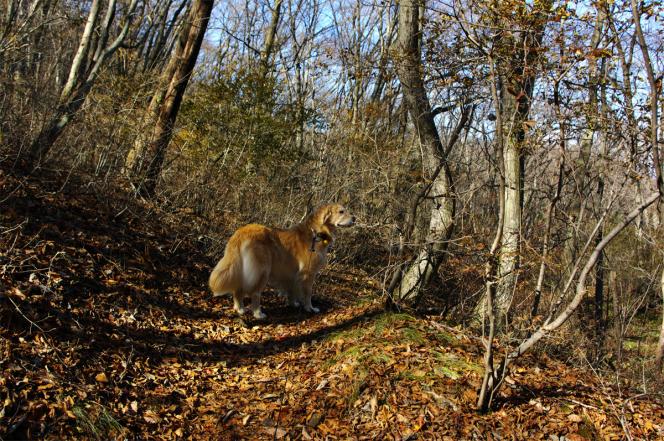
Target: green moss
[(412, 335), (631, 345), (371, 343), (446, 338), (353, 353), (389, 320), (351, 334), (410, 375), (358, 386), (451, 366), (381, 358), (444, 371)]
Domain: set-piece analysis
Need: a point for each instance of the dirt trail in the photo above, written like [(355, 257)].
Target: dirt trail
[(108, 332)]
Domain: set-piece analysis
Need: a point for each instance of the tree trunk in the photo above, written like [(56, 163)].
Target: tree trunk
[(654, 94), (66, 105), (145, 160), (659, 354), (158, 42), (441, 191), (581, 165), (509, 249), (270, 37), (517, 70), (385, 43), (600, 313), (418, 275)]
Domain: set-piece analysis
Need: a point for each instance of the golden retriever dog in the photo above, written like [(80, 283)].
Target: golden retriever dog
[(286, 259)]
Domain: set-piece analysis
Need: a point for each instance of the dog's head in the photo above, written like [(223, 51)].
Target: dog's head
[(333, 216)]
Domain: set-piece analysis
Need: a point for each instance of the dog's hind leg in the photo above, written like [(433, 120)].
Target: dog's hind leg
[(238, 303), (256, 305), (256, 265), (256, 291)]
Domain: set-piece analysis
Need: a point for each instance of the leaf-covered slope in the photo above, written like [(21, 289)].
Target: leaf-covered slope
[(108, 331)]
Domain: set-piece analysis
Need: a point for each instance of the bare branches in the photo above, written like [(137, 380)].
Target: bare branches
[(494, 378), (654, 93), (82, 74)]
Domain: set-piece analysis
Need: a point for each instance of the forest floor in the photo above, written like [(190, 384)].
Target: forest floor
[(109, 332)]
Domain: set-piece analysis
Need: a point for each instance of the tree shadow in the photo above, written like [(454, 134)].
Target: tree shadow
[(93, 337), (524, 394)]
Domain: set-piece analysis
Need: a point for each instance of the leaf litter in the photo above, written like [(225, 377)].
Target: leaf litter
[(108, 332)]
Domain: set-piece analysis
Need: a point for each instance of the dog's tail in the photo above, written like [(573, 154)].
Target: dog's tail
[(226, 277)]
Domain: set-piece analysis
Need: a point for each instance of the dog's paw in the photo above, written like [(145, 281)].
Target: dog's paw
[(312, 309), (260, 315), (241, 310), (294, 303)]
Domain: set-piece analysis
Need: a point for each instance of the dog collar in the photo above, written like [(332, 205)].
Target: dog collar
[(318, 237), (314, 237)]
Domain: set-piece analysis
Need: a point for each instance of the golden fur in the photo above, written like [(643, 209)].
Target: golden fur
[(288, 260)]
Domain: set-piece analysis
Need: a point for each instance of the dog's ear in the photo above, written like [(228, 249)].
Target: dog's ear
[(327, 214)]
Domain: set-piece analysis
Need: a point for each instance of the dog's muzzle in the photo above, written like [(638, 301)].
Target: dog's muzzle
[(348, 223)]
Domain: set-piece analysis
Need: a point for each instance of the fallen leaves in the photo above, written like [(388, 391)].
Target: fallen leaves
[(131, 343), (151, 417), (574, 418)]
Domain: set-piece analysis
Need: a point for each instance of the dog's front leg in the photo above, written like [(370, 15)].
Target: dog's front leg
[(295, 295), (308, 288)]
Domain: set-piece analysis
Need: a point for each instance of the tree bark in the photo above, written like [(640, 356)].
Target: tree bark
[(517, 75), (600, 313), (659, 354), (654, 94), (145, 160), (270, 37), (580, 166), (441, 190), (161, 36)]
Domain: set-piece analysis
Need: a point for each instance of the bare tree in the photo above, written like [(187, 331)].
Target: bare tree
[(659, 354), (94, 49), (654, 93), (159, 35), (145, 160), (270, 37), (495, 375), (407, 284), (516, 57)]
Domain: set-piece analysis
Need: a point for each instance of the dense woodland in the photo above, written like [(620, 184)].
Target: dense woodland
[(504, 159)]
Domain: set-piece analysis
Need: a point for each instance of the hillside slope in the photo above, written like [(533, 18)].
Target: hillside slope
[(108, 331)]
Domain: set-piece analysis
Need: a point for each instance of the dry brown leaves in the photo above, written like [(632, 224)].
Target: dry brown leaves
[(108, 332)]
